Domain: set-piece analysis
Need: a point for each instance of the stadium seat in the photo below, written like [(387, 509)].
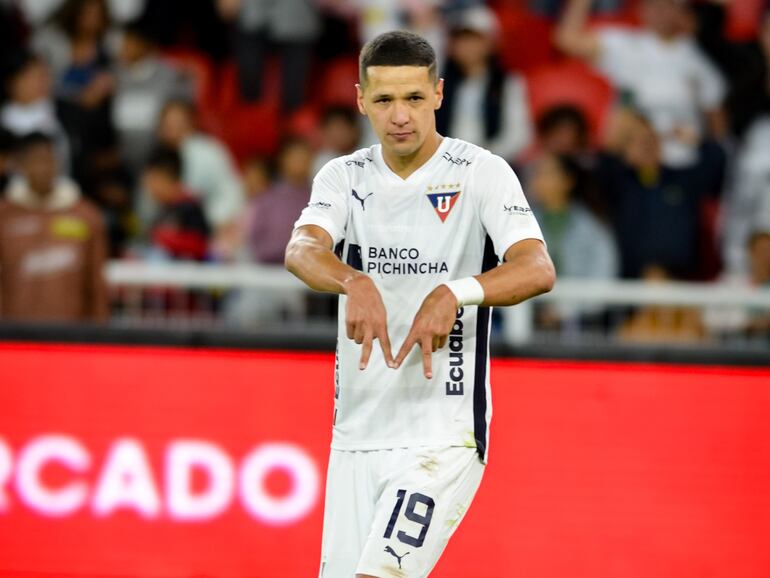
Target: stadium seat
[(571, 82), (229, 96), (303, 123), (338, 83), (743, 18), (250, 130), (525, 39)]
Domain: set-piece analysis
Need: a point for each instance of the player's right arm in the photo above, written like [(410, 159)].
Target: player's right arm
[(573, 36), (310, 257)]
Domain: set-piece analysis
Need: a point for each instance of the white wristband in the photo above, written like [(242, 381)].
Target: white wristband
[(468, 291)]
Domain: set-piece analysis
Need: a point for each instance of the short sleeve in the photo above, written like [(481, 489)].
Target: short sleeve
[(328, 207), (503, 209)]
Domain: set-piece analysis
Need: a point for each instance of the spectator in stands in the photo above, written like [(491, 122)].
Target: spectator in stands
[(52, 243), (655, 208), (759, 257), (144, 84), (232, 245), (579, 244), (563, 130), (340, 135), (661, 323), (180, 230), (747, 204), (482, 103), (38, 12), (6, 148), (657, 70), (745, 65), (207, 167), (30, 106), (274, 212), (291, 27), (74, 45), (193, 24), (745, 320)]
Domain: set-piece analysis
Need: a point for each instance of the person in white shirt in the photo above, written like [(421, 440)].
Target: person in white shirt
[(420, 222), (30, 106), (657, 70), (208, 170), (483, 103)]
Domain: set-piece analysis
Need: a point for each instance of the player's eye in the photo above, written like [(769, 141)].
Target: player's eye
[(415, 98), (383, 99)]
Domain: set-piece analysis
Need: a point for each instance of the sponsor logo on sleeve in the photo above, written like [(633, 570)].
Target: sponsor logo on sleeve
[(516, 210), (456, 160)]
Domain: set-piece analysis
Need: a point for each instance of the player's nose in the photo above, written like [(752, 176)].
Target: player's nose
[(399, 114)]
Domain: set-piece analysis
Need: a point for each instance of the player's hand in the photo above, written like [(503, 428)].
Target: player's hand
[(431, 326), (366, 319)]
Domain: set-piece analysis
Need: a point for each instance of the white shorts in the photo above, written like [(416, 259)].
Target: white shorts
[(391, 512)]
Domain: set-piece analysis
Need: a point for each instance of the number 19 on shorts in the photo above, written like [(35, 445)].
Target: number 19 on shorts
[(416, 502)]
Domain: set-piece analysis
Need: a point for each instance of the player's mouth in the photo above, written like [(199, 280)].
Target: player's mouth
[(401, 136)]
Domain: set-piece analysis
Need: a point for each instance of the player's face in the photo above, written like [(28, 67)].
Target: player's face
[(401, 103)]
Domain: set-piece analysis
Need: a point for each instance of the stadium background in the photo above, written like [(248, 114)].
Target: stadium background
[(168, 412)]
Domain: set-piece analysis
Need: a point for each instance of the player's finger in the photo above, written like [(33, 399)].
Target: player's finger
[(351, 327), (442, 341), (427, 350), (405, 349), (358, 333), (384, 339), (366, 351)]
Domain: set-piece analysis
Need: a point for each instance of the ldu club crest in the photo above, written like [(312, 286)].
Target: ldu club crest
[(443, 202)]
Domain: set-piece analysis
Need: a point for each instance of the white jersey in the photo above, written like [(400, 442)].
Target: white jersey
[(411, 235)]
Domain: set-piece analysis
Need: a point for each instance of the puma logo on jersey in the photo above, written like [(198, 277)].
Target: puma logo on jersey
[(392, 552), (443, 202), (360, 200)]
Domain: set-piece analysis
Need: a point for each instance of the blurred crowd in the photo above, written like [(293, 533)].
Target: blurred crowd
[(169, 130)]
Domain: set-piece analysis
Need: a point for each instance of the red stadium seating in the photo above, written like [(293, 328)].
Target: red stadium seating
[(571, 82), (338, 83), (525, 39), (250, 130), (743, 18)]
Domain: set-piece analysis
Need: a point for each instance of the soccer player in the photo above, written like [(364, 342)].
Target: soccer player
[(410, 232)]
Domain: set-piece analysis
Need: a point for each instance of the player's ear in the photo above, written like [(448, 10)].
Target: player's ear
[(439, 93), (360, 99)]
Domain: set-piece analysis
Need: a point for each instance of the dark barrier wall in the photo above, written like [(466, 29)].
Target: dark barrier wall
[(122, 461)]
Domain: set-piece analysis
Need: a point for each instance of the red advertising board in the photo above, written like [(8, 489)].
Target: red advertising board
[(175, 463)]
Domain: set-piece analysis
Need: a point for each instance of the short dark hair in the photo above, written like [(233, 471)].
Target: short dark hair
[(397, 48), (345, 113), (31, 140), (140, 29), (563, 114), (167, 160)]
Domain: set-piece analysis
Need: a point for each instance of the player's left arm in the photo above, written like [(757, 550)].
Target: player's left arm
[(527, 271)]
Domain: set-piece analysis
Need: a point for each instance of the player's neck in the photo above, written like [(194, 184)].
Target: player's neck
[(404, 166)]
